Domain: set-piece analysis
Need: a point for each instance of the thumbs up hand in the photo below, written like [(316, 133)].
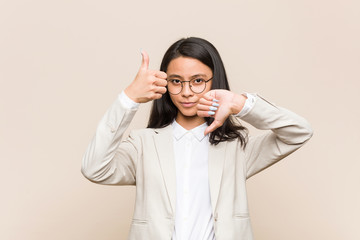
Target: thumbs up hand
[(148, 84)]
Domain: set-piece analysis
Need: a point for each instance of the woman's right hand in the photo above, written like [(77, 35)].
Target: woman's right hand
[(148, 84)]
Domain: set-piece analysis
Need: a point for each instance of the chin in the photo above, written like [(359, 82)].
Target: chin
[(188, 112)]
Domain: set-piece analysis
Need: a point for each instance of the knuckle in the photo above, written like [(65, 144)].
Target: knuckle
[(155, 96), (162, 74), (152, 79), (149, 81)]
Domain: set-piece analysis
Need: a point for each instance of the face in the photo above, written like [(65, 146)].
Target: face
[(186, 69)]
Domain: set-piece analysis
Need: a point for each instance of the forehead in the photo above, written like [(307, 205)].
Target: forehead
[(187, 67)]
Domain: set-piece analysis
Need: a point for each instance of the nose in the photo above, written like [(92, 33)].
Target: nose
[(186, 90)]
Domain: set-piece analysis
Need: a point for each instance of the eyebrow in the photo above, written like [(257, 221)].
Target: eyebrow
[(193, 76)]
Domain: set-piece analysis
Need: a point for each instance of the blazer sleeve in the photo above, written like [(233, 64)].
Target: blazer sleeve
[(287, 132), (108, 160)]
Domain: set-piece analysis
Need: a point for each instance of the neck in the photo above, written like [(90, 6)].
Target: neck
[(189, 122)]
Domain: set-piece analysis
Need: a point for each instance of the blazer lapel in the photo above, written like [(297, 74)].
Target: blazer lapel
[(164, 147), (216, 165)]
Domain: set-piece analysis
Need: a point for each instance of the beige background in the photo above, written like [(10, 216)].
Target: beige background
[(62, 63)]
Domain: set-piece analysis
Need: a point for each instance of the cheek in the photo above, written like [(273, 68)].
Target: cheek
[(173, 99), (207, 89), (208, 86)]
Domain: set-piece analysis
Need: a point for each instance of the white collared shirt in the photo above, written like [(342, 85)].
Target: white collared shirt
[(193, 217)]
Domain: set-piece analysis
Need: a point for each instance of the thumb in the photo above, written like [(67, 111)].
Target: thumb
[(211, 128), (145, 60)]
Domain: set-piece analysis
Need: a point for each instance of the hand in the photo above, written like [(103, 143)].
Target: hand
[(225, 102), (148, 84)]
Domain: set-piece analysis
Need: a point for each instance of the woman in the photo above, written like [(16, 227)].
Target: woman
[(191, 164)]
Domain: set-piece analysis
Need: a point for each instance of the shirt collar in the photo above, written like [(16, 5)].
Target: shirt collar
[(198, 131)]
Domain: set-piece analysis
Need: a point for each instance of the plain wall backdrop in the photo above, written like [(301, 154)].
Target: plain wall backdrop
[(62, 63)]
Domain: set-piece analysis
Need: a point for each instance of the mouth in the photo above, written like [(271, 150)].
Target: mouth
[(188, 104)]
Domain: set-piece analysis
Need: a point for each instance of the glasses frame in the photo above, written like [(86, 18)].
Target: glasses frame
[(182, 86)]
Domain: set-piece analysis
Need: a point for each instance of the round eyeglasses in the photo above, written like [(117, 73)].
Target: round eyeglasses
[(196, 85)]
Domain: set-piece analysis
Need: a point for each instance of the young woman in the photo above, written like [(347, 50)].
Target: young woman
[(191, 164)]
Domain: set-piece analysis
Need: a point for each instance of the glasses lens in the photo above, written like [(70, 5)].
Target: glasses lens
[(197, 85), (174, 86)]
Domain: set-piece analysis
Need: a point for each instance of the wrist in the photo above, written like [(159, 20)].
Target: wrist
[(238, 103), (128, 91)]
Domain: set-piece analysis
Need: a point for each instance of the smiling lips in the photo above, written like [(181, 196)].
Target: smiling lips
[(188, 104)]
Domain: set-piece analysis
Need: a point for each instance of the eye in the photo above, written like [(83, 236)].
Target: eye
[(198, 81), (175, 81)]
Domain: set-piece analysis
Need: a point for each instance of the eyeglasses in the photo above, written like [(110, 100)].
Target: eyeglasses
[(196, 85)]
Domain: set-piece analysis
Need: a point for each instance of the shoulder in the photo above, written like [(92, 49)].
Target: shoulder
[(149, 132)]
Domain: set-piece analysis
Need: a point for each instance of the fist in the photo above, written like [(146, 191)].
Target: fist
[(219, 104), (148, 84)]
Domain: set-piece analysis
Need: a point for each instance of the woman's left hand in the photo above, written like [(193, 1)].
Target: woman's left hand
[(219, 104)]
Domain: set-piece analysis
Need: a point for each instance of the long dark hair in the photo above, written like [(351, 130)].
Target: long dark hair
[(163, 110)]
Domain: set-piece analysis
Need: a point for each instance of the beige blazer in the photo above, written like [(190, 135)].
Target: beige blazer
[(145, 159)]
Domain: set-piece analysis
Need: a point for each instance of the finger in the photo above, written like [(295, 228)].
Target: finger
[(210, 95), (216, 124), (161, 74), (144, 61), (205, 102), (202, 107), (160, 90), (205, 113), (160, 82), (156, 96)]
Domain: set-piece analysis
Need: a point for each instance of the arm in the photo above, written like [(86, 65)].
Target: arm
[(108, 160), (288, 132)]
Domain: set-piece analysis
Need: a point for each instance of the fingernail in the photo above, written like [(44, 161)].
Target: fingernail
[(141, 51), (213, 108), (211, 113), (215, 100), (215, 104)]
